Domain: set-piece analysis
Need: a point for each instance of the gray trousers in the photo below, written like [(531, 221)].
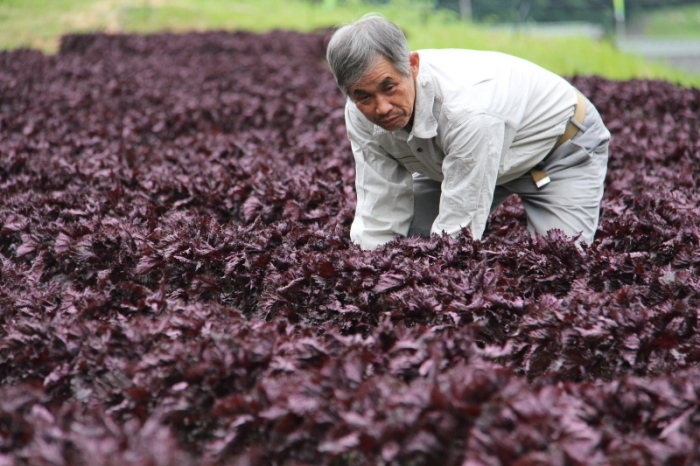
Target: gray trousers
[(570, 202)]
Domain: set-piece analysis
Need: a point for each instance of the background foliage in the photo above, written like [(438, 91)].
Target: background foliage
[(596, 11)]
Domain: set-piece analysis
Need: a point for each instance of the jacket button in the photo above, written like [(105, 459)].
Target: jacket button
[(420, 149)]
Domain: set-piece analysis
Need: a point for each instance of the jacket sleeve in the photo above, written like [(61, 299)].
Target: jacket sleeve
[(384, 190), (473, 151)]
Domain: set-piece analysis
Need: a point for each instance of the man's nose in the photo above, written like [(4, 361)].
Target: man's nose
[(383, 106)]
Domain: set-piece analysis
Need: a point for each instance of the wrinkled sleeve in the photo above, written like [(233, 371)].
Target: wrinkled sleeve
[(472, 157), (384, 190)]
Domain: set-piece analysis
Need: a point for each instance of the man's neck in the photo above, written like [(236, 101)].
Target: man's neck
[(409, 125)]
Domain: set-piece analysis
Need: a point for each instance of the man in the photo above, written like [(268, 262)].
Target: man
[(442, 137)]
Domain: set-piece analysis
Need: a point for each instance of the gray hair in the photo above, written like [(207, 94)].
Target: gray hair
[(355, 47)]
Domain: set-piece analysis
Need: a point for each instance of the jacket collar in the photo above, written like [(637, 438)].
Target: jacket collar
[(424, 123)]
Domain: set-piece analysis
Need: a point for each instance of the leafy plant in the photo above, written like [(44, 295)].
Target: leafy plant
[(178, 287)]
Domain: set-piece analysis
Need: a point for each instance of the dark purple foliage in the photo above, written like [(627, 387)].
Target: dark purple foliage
[(177, 285)]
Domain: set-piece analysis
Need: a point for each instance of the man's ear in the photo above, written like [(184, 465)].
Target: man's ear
[(414, 61)]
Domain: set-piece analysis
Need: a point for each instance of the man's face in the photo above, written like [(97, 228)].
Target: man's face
[(385, 96)]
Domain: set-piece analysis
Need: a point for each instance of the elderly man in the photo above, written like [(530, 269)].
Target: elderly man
[(442, 137)]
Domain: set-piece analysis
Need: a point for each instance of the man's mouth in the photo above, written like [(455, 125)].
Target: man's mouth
[(390, 121)]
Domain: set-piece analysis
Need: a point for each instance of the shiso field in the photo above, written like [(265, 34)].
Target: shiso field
[(177, 284)]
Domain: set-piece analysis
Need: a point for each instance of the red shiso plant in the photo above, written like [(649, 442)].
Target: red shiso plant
[(177, 285)]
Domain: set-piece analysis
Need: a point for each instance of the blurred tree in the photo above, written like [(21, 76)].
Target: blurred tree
[(465, 9)]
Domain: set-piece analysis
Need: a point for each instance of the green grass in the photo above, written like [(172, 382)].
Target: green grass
[(40, 23), (683, 22)]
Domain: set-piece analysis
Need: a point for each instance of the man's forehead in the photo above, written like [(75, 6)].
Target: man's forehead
[(369, 83), (381, 67), (379, 73)]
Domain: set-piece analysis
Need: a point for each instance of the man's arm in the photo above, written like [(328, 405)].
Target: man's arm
[(473, 154), (384, 191)]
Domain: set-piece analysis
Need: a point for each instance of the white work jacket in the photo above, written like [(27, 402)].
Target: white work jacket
[(480, 119)]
